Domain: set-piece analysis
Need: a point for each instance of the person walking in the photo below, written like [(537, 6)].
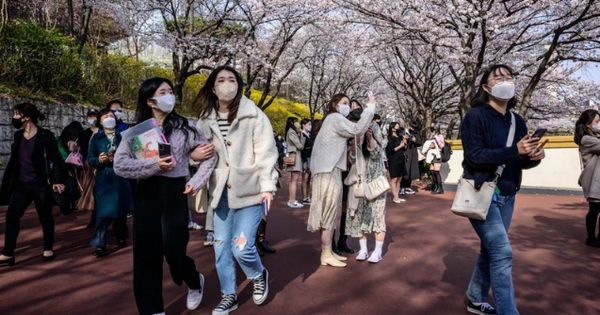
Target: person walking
[(295, 144), (88, 178), (112, 194), (485, 132), (413, 141), (395, 150), (432, 149), (587, 136), (242, 186), (306, 127), (34, 170), (329, 159), (160, 204)]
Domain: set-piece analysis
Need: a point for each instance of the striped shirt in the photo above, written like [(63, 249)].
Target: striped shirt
[(223, 124)]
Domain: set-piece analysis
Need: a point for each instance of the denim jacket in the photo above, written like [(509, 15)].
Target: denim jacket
[(484, 132)]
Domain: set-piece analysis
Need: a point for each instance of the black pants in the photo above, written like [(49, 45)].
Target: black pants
[(160, 222), (119, 228), (405, 183), (21, 197), (591, 218)]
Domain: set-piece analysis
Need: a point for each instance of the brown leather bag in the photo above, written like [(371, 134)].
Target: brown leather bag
[(290, 159)]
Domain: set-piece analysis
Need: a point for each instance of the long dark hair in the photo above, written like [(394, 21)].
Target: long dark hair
[(391, 127), (72, 132), (482, 97), (172, 121), (581, 126), (29, 110), (332, 103), (208, 101), (289, 123)]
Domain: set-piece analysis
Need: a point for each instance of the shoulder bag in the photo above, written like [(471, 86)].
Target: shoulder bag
[(475, 204), (372, 189)]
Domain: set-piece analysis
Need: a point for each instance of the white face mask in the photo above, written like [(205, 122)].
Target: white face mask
[(226, 91), (309, 128), (118, 114), (165, 103), (109, 123), (91, 121), (344, 109), (503, 91), (596, 127)]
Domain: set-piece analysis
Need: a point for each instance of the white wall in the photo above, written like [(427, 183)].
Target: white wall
[(559, 170)]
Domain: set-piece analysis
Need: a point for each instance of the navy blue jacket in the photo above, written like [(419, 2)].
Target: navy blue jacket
[(484, 132)]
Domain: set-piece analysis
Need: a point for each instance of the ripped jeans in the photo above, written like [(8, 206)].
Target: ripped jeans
[(235, 238)]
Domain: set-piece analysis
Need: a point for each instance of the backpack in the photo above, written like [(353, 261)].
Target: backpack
[(446, 152)]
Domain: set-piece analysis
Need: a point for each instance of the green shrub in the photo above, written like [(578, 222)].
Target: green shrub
[(42, 60)]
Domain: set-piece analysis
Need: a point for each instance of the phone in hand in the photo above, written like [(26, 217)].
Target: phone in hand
[(265, 208), (538, 133), (164, 150)]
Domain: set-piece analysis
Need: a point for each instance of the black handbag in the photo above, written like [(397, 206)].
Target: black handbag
[(72, 190)]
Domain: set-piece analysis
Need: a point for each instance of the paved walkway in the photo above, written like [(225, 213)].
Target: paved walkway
[(428, 257)]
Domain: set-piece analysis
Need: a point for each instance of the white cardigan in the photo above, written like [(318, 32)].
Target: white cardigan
[(330, 147), (431, 153), (245, 161)]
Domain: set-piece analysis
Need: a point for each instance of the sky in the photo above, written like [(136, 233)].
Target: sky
[(591, 72)]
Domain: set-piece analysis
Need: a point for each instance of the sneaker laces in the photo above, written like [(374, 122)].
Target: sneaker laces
[(486, 307), (259, 285), (227, 302)]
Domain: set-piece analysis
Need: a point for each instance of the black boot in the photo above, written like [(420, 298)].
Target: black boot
[(333, 246), (261, 244), (440, 189), (342, 245)]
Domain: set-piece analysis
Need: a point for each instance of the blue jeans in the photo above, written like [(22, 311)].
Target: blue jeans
[(494, 264), (235, 239)]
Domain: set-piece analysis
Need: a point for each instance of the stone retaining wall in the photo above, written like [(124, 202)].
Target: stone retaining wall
[(57, 117)]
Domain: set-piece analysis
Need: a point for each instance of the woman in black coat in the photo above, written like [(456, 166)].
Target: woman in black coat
[(35, 169), (395, 150)]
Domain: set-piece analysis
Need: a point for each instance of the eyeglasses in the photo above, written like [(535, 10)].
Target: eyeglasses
[(116, 110)]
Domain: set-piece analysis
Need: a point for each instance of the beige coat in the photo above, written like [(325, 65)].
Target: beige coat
[(295, 144), (245, 161), (589, 179)]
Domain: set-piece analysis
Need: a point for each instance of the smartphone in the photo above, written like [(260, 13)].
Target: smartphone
[(164, 150), (266, 208), (540, 132)]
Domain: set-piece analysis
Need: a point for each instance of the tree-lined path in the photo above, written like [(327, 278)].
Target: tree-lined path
[(428, 257)]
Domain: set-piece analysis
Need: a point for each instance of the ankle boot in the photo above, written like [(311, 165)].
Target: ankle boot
[(328, 259), (334, 248), (439, 190), (342, 244), (261, 244)]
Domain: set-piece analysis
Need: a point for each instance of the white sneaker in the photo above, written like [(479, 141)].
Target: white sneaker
[(210, 238), (194, 226), (375, 257), (194, 297), (409, 191), (163, 313), (294, 204), (362, 256), (399, 200), (401, 191)]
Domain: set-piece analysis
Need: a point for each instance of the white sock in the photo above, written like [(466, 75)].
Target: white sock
[(363, 245), (378, 246)]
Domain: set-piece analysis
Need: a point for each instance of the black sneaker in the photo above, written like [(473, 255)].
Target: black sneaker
[(261, 288), (228, 304), (481, 309)]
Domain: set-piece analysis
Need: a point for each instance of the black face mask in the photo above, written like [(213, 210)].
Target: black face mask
[(17, 123), (432, 129)]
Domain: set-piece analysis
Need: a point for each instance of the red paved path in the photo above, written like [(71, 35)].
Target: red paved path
[(428, 257)]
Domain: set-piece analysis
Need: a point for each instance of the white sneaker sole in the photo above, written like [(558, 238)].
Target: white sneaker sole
[(225, 312), (194, 306), (266, 294)]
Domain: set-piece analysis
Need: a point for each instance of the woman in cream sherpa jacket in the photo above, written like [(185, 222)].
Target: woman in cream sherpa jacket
[(241, 187)]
